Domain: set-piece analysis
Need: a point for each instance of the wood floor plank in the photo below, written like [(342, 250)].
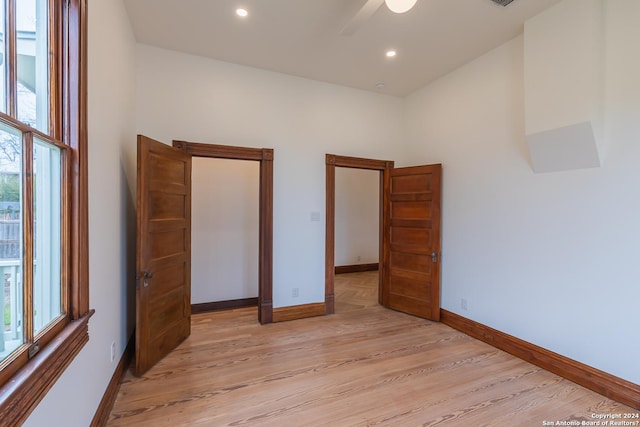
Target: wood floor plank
[(363, 366)]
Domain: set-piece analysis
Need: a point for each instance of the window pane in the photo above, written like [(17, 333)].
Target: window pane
[(11, 307), (3, 60), (46, 205), (33, 63)]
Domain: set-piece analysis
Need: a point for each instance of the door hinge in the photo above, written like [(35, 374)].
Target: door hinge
[(33, 350)]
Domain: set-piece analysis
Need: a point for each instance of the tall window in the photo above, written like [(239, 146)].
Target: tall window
[(43, 280)]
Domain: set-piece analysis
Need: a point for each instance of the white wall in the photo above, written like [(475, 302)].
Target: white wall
[(563, 86), (74, 398), (550, 258), (196, 99), (224, 229), (563, 58), (357, 212)]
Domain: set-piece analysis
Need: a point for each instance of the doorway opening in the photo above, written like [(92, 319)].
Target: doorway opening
[(356, 239), (265, 210), (333, 161), (224, 234)]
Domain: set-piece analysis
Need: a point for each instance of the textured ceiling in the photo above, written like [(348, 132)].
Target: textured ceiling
[(303, 37)]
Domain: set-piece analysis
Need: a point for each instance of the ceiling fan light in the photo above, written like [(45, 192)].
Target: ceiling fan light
[(400, 6)]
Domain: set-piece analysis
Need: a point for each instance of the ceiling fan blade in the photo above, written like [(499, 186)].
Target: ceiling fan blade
[(361, 16)]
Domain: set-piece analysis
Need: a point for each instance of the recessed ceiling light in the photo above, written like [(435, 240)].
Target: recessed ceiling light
[(380, 85), (242, 12), (390, 53), (400, 6)]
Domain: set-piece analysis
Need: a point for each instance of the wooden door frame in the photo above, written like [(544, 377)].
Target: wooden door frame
[(332, 161), (265, 240)]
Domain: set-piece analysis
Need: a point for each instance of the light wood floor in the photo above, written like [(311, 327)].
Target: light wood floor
[(365, 365)]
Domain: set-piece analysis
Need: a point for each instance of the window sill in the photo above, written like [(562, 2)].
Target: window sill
[(22, 393)]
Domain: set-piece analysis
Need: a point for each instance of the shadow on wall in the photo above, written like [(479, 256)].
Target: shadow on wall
[(128, 251)]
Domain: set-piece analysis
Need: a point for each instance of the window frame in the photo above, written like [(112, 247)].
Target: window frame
[(33, 340), (66, 336)]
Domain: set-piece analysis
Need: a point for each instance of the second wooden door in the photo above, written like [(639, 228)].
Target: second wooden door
[(412, 238)]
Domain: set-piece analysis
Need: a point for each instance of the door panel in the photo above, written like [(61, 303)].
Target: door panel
[(411, 184), (404, 260), (163, 296), (401, 209), (411, 236), (408, 283), (412, 275)]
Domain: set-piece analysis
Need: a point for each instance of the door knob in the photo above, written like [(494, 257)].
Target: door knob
[(434, 256), (145, 276)]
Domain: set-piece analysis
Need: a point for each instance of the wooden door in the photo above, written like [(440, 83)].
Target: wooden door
[(412, 240), (163, 286)]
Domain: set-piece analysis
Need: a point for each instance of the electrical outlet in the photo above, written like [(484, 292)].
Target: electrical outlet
[(463, 304), (359, 258), (113, 351), (295, 292)]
